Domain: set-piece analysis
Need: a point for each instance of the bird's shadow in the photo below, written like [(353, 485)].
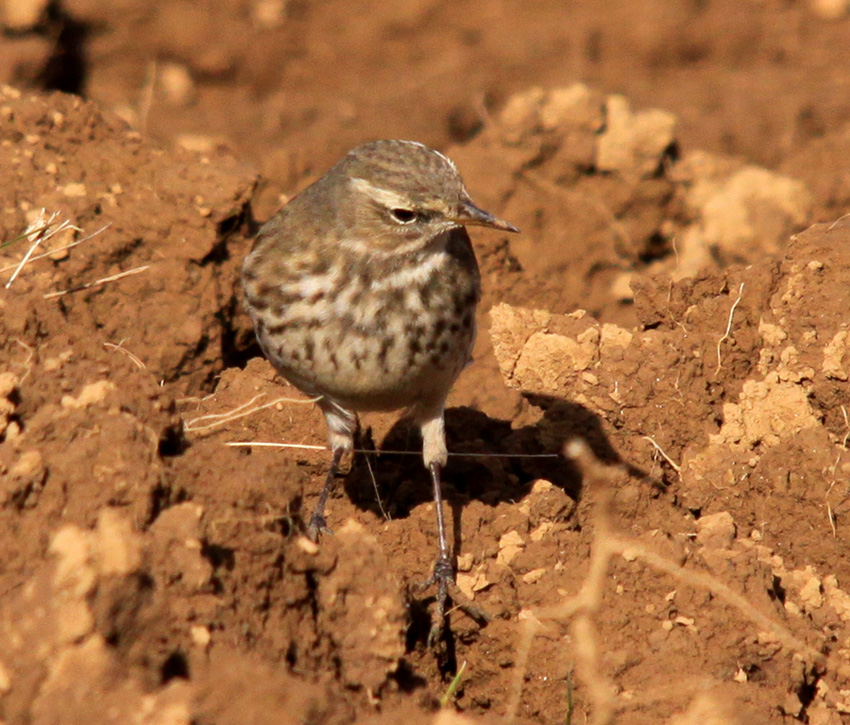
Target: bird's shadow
[(491, 462)]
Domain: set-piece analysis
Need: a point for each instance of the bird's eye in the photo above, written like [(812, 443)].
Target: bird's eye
[(403, 216)]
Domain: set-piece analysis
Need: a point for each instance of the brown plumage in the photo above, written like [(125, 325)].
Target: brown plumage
[(363, 290)]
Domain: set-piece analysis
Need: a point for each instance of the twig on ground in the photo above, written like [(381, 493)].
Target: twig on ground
[(96, 283), (299, 446), (40, 231), (728, 326), (583, 608), (147, 96), (59, 249), (837, 221), (194, 399), (831, 518), (310, 447), (124, 351), (39, 225), (26, 363), (675, 466), (240, 411)]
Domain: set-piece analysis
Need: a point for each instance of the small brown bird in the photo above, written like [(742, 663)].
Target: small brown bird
[(363, 291)]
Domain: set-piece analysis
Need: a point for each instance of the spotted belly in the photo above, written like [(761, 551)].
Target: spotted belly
[(365, 335), (388, 349)]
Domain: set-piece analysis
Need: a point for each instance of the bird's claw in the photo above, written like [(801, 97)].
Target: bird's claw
[(317, 526), (443, 577)]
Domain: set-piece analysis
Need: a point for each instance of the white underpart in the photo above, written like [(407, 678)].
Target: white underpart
[(341, 425), (369, 309), (413, 301), (367, 249), (344, 302), (434, 439), (358, 346), (359, 246), (307, 288), (321, 310), (312, 285), (415, 274), (409, 278)]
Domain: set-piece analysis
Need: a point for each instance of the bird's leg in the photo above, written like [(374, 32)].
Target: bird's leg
[(443, 575), (435, 455), (317, 523), (341, 426)]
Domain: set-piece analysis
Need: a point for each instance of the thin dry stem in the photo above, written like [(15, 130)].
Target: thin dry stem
[(675, 466), (311, 447), (529, 627), (40, 231), (194, 399), (26, 363), (583, 607), (97, 283), (38, 238), (59, 249), (728, 327), (219, 419), (837, 221), (147, 96), (299, 446), (124, 351)]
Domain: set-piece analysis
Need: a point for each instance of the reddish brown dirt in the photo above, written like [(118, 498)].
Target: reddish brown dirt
[(149, 568)]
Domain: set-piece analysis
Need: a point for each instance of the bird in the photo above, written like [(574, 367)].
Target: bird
[(363, 291)]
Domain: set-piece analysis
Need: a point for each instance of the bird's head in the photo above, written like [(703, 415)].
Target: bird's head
[(401, 195)]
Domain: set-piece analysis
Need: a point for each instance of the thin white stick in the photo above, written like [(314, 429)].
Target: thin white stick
[(97, 283), (23, 261), (58, 249), (124, 351), (308, 447), (835, 223), (41, 234), (239, 412), (26, 363), (190, 424), (305, 446), (676, 467), (147, 96), (728, 325)]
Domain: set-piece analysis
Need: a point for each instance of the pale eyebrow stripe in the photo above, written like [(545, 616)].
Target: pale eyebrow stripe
[(385, 197)]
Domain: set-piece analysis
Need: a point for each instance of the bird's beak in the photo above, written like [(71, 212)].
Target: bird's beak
[(468, 213)]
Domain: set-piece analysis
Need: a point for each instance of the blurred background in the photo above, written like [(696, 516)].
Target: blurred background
[(289, 85)]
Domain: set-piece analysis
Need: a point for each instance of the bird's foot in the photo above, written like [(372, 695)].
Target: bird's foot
[(317, 526), (443, 576)]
